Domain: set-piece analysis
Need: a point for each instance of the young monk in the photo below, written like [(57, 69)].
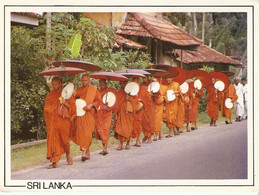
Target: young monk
[(171, 107), (230, 92), (104, 117), (148, 120), (123, 117), (57, 117), (196, 95), (213, 100), (85, 125), (159, 111), (142, 97), (180, 112)]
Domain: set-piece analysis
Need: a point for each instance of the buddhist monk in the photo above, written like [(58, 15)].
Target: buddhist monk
[(158, 99), (182, 100), (213, 100), (196, 95), (230, 92), (104, 117), (85, 125), (148, 120), (138, 111), (57, 116), (123, 117), (171, 107)]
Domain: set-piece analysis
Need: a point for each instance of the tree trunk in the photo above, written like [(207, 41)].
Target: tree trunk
[(48, 46), (203, 28), (194, 23), (48, 28)]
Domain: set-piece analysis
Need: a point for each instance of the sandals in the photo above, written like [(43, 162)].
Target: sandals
[(83, 157), (137, 145), (103, 152), (52, 166), (168, 136)]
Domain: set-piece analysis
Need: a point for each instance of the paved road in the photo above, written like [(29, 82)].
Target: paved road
[(208, 153)]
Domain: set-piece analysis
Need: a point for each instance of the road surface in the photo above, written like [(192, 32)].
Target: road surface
[(207, 153)]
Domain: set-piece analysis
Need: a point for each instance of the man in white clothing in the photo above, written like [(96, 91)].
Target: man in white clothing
[(240, 100), (245, 89)]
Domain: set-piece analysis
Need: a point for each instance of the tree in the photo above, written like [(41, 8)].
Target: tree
[(30, 54)]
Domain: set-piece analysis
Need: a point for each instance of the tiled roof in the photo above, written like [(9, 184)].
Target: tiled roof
[(139, 24), (32, 14), (205, 54), (127, 43)]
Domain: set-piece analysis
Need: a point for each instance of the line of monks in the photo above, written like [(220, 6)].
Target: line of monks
[(127, 117)]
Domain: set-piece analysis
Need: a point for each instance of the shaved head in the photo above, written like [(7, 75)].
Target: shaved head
[(56, 83), (85, 80)]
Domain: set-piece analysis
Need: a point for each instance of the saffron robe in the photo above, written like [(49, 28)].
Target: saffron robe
[(58, 122), (195, 103), (104, 119), (159, 109), (123, 126), (213, 100), (148, 120), (230, 92), (180, 111), (86, 124), (171, 107)]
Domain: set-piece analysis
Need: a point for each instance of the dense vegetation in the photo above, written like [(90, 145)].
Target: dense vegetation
[(34, 49)]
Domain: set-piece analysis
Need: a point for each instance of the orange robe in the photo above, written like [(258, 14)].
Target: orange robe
[(123, 126), (230, 92), (188, 102), (104, 119), (194, 104), (171, 107), (213, 101), (148, 121), (85, 125), (58, 122), (138, 115), (159, 110), (180, 111)]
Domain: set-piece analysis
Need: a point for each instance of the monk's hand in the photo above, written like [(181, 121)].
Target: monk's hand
[(190, 107), (140, 100), (88, 107), (164, 109), (105, 108), (127, 97)]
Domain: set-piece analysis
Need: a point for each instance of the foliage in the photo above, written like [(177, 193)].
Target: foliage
[(27, 90)]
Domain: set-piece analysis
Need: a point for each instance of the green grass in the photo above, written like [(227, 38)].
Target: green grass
[(36, 155)]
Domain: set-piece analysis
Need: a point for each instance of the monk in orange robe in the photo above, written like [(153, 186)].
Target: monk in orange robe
[(85, 125), (171, 107), (196, 95), (213, 100), (123, 117), (138, 111), (104, 117), (230, 92), (159, 111), (57, 117), (180, 112), (148, 119)]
